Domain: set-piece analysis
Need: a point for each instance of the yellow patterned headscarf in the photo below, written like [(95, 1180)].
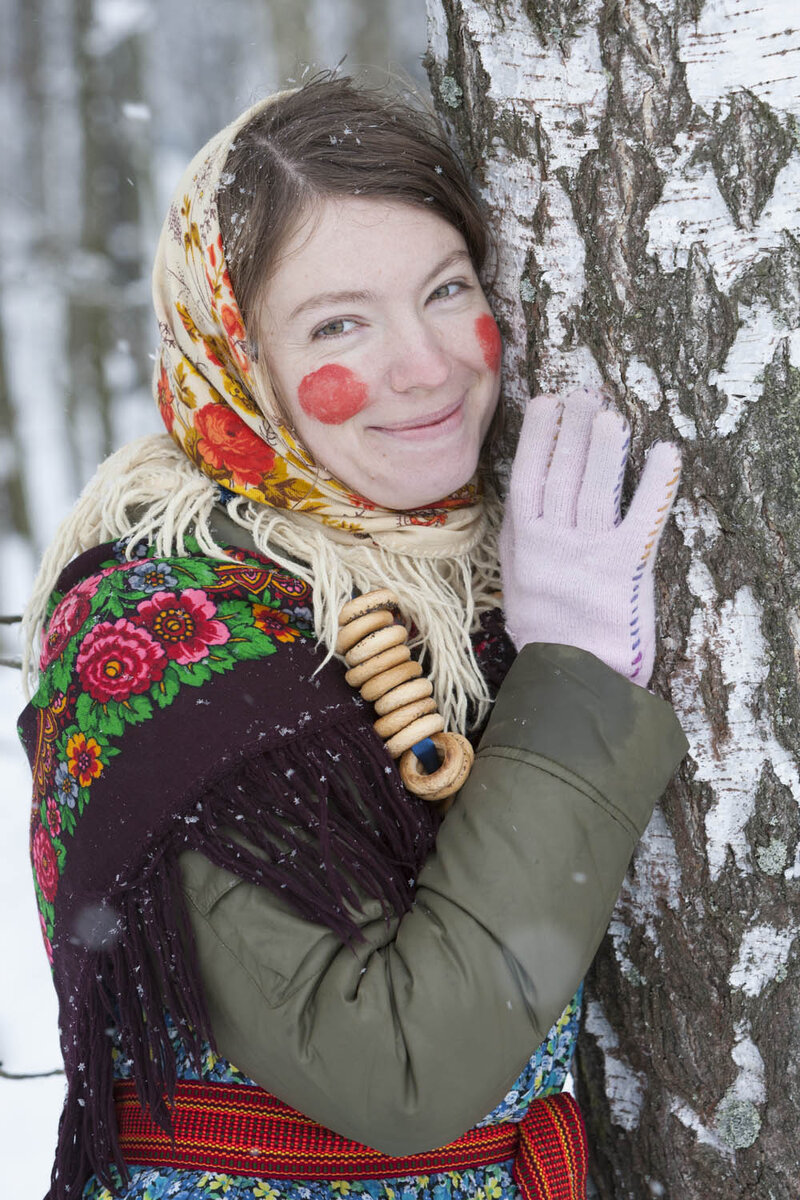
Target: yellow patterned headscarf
[(222, 411), (226, 430)]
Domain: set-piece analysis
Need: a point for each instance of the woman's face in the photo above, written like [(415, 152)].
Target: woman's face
[(382, 349)]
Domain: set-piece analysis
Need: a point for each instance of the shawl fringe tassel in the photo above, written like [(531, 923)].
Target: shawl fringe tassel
[(273, 821)]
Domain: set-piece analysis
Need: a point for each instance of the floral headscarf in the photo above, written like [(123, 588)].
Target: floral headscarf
[(226, 431), (224, 414)]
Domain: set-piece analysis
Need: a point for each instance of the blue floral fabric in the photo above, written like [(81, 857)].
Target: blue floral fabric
[(544, 1075)]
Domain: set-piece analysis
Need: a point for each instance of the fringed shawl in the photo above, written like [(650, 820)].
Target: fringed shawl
[(187, 697), (180, 706)]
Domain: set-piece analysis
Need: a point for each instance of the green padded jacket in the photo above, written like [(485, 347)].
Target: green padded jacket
[(406, 1041)]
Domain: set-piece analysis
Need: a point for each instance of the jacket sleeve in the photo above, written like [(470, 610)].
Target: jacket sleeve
[(408, 1040)]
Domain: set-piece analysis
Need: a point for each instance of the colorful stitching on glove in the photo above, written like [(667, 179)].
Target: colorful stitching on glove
[(636, 662), (620, 477)]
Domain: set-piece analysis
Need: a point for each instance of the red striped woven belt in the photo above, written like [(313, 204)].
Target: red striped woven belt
[(241, 1130)]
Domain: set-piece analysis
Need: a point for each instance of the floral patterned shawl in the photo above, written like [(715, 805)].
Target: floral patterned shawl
[(180, 699)]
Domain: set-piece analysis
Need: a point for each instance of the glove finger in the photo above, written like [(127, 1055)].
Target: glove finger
[(599, 498), (645, 520), (534, 450), (565, 473)]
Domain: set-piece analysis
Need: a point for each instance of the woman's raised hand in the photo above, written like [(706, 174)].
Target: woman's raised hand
[(574, 571)]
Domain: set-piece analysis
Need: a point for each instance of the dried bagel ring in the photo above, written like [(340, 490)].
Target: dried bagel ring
[(375, 648), (357, 629), (390, 680), (359, 675), (415, 732), (396, 721), (405, 693), (369, 602), (374, 643), (457, 757)]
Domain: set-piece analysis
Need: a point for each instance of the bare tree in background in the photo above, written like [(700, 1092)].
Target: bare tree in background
[(641, 161)]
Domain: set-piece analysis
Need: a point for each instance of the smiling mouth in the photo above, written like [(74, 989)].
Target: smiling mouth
[(422, 425)]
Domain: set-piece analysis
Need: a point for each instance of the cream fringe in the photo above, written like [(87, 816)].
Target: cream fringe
[(149, 489)]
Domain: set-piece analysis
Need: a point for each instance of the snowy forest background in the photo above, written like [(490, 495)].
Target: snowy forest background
[(640, 160), (102, 104)]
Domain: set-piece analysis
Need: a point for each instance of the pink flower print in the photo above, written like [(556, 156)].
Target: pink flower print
[(67, 618), (118, 659), (45, 863), (53, 816), (183, 624)]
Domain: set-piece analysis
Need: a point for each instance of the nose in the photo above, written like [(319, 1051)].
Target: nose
[(417, 360)]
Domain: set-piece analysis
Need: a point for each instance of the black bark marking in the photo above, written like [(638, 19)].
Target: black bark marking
[(747, 150)]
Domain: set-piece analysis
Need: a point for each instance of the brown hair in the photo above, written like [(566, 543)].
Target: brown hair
[(332, 137)]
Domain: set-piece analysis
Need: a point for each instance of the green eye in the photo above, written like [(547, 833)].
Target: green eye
[(331, 329), (448, 289), (334, 328)]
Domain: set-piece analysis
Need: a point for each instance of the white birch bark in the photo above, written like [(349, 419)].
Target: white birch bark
[(641, 162)]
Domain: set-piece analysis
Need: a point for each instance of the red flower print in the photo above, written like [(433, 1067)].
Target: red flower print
[(83, 759), (47, 947), (275, 622), (228, 444), (421, 518), (45, 864), (211, 355), (67, 618), (237, 337), (359, 501), (232, 322), (183, 624), (53, 816), (118, 659), (165, 400)]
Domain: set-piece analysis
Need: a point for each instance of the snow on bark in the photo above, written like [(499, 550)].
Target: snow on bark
[(624, 1086), (732, 763), (762, 956), (641, 163)]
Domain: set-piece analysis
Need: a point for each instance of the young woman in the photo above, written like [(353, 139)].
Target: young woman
[(228, 866)]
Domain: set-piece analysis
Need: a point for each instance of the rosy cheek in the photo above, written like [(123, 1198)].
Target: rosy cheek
[(488, 336), (332, 394)]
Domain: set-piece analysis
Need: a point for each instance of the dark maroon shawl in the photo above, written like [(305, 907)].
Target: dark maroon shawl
[(180, 707)]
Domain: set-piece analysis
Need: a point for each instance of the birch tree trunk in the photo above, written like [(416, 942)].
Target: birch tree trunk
[(642, 165)]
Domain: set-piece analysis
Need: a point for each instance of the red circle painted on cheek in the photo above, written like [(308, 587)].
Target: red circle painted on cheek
[(332, 394), (489, 337)]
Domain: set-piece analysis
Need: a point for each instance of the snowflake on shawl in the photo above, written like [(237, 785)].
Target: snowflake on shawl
[(121, 645)]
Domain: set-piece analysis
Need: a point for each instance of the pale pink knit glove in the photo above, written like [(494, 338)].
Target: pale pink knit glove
[(574, 572)]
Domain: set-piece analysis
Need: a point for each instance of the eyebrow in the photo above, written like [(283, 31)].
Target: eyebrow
[(324, 298), (363, 297)]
